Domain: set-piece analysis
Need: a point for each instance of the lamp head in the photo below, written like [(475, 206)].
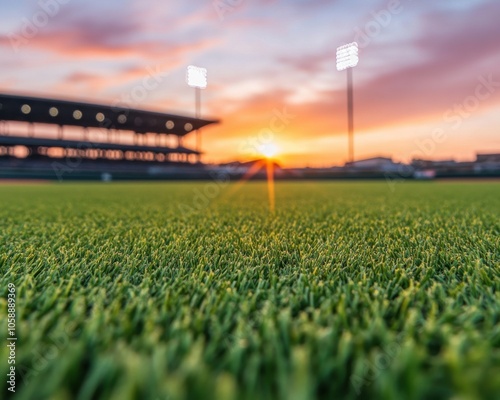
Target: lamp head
[(347, 56), (196, 77)]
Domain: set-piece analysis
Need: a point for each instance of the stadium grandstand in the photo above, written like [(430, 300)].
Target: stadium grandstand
[(58, 139)]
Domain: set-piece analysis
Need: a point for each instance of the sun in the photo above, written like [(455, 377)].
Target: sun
[(269, 150)]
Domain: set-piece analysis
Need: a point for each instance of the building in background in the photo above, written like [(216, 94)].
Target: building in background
[(379, 164)]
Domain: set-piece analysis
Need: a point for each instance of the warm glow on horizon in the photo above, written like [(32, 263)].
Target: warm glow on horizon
[(269, 150)]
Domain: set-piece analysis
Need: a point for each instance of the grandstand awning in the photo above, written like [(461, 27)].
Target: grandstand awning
[(71, 113)]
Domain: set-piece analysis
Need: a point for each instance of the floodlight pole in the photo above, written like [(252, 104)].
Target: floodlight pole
[(350, 111), (197, 102), (198, 115), (347, 58)]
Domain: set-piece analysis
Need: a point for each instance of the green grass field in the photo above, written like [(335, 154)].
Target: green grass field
[(346, 291)]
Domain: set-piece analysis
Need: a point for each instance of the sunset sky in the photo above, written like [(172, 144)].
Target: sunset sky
[(427, 85)]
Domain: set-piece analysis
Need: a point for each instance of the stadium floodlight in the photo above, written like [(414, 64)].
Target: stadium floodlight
[(196, 77), (348, 58)]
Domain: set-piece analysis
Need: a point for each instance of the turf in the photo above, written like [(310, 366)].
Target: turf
[(159, 291)]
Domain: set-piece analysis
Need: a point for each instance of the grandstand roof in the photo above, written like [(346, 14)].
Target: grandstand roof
[(71, 113)]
